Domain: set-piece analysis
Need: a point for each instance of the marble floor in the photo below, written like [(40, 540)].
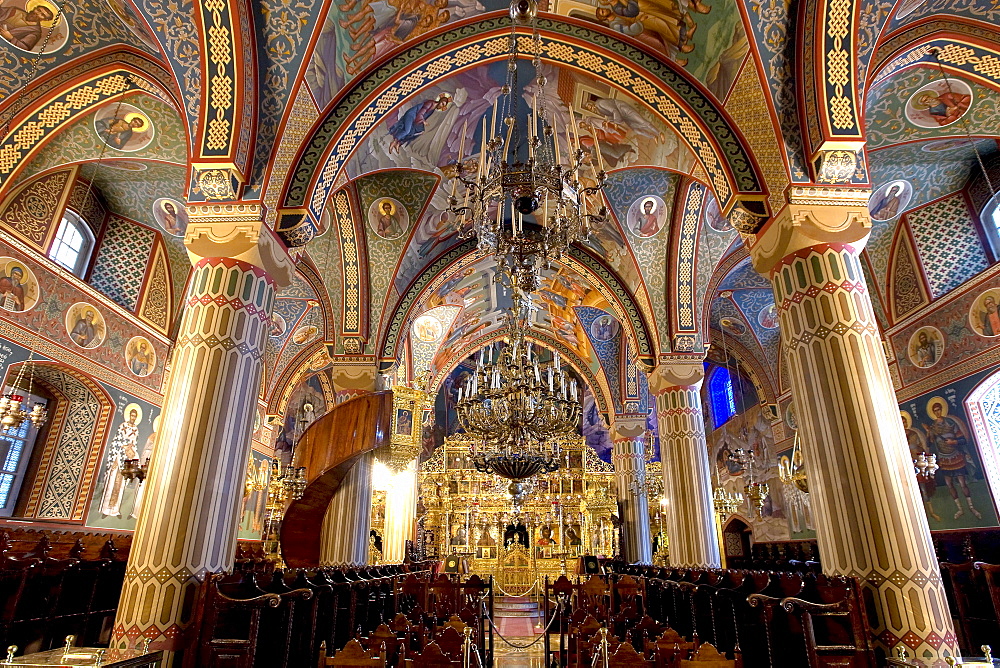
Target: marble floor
[(510, 657)]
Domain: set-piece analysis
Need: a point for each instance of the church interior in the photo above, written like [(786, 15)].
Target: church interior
[(500, 333)]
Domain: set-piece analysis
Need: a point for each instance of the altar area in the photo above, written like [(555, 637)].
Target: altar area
[(517, 531)]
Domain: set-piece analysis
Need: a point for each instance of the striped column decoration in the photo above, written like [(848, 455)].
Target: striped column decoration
[(628, 455), (869, 518), (189, 518), (348, 521), (687, 481), (400, 514)]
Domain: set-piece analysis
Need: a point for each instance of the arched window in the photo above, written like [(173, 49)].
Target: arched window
[(983, 404), (73, 244), (720, 392), (15, 449), (990, 218)]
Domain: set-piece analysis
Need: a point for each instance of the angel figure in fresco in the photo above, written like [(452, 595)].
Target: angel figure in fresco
[(23, 28), (949, 436), (415, 17), (123, 446), (411, 124), (944, 108)]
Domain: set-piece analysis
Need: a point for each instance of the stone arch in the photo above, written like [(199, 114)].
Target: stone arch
[(69, 457), (678, 99), (49, 112)]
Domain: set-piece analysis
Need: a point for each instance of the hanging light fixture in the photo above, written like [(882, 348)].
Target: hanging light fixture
[(518, 406), (795, 474), (12, 404), (542, 186)]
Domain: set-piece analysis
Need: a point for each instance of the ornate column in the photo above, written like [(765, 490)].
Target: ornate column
[(687, 480), (190, 510), (400, 514), (869, 517), (628, 455), (347, 523)]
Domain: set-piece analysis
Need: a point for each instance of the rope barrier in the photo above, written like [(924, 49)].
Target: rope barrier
[(533, 642)]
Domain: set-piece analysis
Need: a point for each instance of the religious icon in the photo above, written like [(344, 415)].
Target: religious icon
[(646, 216), (905, 8), (461, 536), (925, 347), (30, 25), (768, 317), (85, 325), (939, 103), (713, 215), (605, 328), (123, 127), (404, 421), (171, 215), (428, 329), (123, 447), (278, 325), (18, 286), (413, 121), (984, 316), (949, 437), (304, 335), (388, 218), (732, 326), (545, 537), (889, 200), (140, 356)]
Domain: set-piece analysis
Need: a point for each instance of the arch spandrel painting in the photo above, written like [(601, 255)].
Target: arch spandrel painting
[(706, 38)]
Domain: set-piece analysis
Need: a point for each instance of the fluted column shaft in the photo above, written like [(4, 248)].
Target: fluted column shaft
[(344, 536), (189, 518), (866, 504), (687, 478), (628, 455), (400, 514), (348, 521)]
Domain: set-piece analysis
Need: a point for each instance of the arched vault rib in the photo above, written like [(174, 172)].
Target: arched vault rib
[(596, 272), (668, 91)]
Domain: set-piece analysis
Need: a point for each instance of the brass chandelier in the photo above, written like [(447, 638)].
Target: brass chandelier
[(545, 198), (518, 406), (13, 411)]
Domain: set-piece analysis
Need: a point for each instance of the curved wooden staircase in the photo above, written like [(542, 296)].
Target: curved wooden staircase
[(328, 449)]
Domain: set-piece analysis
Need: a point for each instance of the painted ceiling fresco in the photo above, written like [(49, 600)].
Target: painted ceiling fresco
[(744, 309), (909, 11), (80, 142), (82, 27), (705, 37), (484, 301)]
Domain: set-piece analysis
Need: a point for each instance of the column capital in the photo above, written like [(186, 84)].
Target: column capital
[(237, 231), (628, 427), (680, 373), (813, 216)]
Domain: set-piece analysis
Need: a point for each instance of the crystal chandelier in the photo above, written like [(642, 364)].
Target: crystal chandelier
[(522, 202), (518, 406), (12, 410)]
